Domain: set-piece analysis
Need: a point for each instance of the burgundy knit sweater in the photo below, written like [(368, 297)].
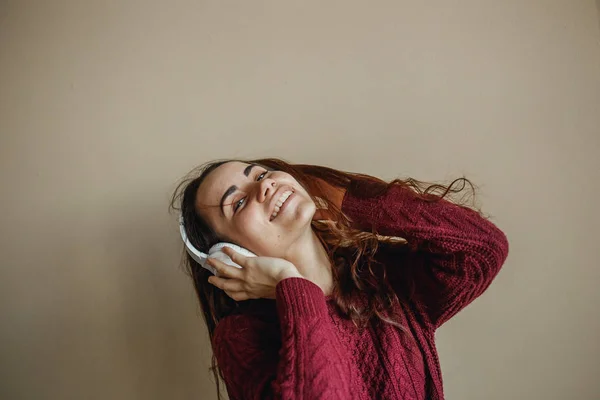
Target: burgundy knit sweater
[(310, 351)]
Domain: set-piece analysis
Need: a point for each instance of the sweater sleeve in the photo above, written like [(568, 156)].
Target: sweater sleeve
[(456, 252), (309, 363)]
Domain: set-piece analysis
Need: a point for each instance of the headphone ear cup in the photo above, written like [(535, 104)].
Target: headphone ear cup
[(216, 251)]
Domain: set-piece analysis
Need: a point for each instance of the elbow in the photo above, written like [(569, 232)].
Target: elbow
[(499, 249), (490, 258)]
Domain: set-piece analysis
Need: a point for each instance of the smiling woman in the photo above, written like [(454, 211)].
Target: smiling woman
[(397, 258)]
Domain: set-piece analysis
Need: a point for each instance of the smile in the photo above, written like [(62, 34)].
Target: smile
[(281, 203)]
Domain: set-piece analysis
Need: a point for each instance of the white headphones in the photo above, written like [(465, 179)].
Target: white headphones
[(214, 252)]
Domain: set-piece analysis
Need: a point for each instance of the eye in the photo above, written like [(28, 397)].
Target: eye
[(238, 204)]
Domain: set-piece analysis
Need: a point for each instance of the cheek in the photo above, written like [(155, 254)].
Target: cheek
[(251, 226), (248, 225)]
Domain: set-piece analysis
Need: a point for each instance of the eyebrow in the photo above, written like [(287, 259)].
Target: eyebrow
[(233, 188)]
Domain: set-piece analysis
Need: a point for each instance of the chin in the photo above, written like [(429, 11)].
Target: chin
[(299, 221), (305, 212)]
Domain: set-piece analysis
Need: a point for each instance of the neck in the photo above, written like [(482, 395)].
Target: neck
[(311, 260)]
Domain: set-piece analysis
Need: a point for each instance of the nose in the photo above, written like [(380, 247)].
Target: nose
[(266, 188)]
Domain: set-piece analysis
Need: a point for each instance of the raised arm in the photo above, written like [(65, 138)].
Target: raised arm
[(456, 253)]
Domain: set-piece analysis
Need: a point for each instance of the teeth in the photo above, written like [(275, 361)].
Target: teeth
[(280, 202)]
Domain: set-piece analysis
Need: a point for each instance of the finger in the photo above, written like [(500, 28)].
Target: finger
[(225, 270), (235, 256), (232, 285)]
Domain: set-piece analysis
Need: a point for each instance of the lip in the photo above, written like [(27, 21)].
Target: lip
[(275, 198)]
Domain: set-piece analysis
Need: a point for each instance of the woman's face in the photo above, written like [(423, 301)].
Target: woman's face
[(249, 194)]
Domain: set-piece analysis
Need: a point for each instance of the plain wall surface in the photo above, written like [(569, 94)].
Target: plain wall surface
[(105, 105)]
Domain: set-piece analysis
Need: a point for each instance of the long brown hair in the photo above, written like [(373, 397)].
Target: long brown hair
[(350, 250)]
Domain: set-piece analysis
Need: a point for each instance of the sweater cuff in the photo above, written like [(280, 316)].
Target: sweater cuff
[(299, 298)]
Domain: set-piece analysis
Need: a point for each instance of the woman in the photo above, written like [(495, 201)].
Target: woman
[(343, 300)]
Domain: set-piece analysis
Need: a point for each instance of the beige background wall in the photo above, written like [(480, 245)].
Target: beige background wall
[(104, 105)]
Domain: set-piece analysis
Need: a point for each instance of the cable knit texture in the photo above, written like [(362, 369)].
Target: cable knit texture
[(307, 350)]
